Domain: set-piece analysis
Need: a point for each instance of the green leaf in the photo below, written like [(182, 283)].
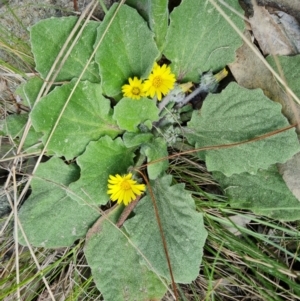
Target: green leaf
[(14, 127), (101, 159), (115, 264), (49, 217), (155, 150), (30, 90), (48, 37), (128, 49), (237, 115), (264, 193), (199, 39), (130, 113), (158, 20), (291, 73), (182, 226), (141, 6), (87, 117), (156, 13), (136, 139)]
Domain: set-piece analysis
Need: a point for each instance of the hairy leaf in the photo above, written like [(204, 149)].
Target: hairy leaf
[(30, 90), (130, 113), (115, 264), (136, 139), (88, 116), (48, 37), (199, 39), (156, 13), (49, 217), (238, 115), (101, 159), (123, 54), (182, 227), (264, 193), (14, 127), (156, 150)]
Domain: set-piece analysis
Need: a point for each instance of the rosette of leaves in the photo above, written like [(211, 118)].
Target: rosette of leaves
[(90, 137)]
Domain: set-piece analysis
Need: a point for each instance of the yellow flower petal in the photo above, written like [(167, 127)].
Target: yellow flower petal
[(124, 189), (135, 89), (160, 81)]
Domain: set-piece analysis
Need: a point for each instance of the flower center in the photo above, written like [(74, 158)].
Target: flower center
[(125, 185), (157, 81), (135, 91)]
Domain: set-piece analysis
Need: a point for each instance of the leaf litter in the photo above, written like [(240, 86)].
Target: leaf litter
[(277, 33)]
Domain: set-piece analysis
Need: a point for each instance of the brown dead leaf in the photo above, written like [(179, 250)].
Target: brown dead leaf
[(291, 7), (249, 72), (275, 34), (290, 26), (290, 172)]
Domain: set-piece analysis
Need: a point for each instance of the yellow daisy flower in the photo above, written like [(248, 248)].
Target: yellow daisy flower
[(160, 81), (134, 90), (124, 188)]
